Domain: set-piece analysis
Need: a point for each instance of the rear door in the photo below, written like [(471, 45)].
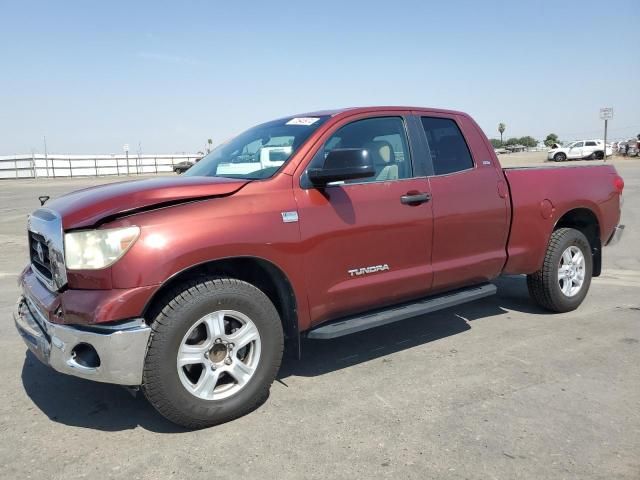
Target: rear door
[(590, 146), (362, 247), (469, 202)]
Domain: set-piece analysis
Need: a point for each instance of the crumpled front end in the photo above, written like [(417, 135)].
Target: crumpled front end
[(92, 334), (111, 354), (551, 153)]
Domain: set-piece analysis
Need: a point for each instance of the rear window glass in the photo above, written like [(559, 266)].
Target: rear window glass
[(449, 150)]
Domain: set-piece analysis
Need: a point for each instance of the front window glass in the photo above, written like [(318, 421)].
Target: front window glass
[(385, 140), (260, 151)]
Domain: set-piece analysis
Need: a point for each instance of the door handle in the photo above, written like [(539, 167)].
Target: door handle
[(414, 199)]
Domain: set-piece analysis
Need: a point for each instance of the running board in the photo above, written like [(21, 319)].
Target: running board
[(357, 323)]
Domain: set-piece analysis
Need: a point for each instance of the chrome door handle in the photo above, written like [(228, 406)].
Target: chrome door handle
[(414, 199)]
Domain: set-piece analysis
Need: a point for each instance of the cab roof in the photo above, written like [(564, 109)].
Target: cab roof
[(373, 109)]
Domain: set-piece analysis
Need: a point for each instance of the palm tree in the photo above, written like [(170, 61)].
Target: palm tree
[(209, 144), (501, 128)]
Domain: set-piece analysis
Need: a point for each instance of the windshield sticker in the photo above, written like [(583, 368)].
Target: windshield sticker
[(306, 121)]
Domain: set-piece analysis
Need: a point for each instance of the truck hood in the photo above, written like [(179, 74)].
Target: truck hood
[(89, 206)]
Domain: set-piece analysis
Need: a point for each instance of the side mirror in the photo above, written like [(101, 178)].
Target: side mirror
[(342, 164)]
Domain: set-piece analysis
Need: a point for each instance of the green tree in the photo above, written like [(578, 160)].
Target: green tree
[(512, 141), (209, 144), (501, 128), (528, 141), (551, 139), (497, 143)]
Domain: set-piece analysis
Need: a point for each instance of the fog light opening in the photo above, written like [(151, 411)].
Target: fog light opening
[(85, 356)]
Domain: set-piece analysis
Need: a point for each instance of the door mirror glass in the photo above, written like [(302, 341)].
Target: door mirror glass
[(343, 164)]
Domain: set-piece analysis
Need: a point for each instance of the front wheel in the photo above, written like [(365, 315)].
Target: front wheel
[(215, 349), (560, 157), (564, 279)]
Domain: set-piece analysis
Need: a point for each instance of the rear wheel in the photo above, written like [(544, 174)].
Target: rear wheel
[(564, 279), (560, 157), (215, 349)]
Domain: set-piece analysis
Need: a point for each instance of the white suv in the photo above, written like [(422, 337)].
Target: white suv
[(582, 149)]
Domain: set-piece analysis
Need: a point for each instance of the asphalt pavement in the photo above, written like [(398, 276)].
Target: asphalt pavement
[(493, 389)]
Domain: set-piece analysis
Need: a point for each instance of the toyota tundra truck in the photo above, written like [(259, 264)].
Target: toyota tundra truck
[(316, 225)]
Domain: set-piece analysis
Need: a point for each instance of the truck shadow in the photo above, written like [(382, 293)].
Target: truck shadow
[(324, 356), (82, 403)]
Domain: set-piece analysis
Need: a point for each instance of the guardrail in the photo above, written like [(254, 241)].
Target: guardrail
[(68, 166)]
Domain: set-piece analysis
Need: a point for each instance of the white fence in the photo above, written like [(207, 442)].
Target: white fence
[(54, 166)]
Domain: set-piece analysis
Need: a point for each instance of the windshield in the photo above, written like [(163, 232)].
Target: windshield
[(259, 152)]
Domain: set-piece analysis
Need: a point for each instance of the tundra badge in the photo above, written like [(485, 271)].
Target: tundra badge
[(356, 272)]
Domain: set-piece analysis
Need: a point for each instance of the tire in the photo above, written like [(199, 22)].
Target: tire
[(545, 285), (207, 390), (560, 157), (598, 155)]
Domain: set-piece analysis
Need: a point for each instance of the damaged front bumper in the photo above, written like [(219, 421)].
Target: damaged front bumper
[(106, 353)]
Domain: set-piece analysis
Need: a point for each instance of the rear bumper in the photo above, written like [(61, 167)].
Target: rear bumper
[(120, 349), (616, 235)]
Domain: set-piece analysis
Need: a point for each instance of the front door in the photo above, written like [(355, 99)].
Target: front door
[(576, 150), (364, 244)]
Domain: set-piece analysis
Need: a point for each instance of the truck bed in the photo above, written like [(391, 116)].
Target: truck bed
[(541, 195)]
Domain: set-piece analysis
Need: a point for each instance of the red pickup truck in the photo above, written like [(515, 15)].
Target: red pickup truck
[(317, 225)]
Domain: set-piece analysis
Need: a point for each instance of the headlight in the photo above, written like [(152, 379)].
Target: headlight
[(95, 249)]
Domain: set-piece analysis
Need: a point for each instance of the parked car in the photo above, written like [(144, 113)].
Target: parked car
[(183, 166), (190, 287), (632, 147), (516, 148), (580, 150)]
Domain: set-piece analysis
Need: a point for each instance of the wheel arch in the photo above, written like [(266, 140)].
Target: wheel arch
[(586, 221), (257, 271)]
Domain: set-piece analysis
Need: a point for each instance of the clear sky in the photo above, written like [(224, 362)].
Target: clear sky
[(92, 76)]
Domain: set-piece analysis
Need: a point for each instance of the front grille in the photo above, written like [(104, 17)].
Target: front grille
[(46, 248), (40, 255)]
